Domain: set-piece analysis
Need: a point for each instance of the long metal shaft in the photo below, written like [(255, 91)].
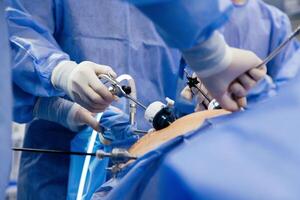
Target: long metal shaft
[(203, 94), (54, 151), (100, 154), (198, 88), (136, 101), (120, 89), (280, 47)]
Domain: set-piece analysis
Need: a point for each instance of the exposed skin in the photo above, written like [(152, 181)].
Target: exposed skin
[(179, 127)]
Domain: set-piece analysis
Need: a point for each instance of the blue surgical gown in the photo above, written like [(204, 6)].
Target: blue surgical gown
[(183, 24), (5, 104), (105, 32)]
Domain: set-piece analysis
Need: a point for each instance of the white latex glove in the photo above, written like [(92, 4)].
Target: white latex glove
[(81, 83), (79, 117), (231, 85), (64, 112), (226, 72)]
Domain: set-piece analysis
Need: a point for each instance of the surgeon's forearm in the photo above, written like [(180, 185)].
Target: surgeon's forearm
[(35, 51), (54, 109), (183, 24), (190, 26)]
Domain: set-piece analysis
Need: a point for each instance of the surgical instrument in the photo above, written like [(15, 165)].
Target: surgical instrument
[(276, 52), (160, 115), (279, 48), (193, 81), (130, 90), (208, 102), (118, 90), (117, 155)]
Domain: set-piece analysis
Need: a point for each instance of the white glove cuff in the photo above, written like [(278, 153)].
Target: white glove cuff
[(222, 65), (71, 122), (54, 109), (209, 57), (60, 73)]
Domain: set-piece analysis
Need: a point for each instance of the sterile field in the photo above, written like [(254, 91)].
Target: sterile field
[(149, 99)]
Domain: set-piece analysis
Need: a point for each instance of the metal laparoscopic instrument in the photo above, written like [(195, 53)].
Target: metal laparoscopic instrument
[(117, 155), (277, 51), (157, 113), (208, 103), (119, 90), (280, 47)]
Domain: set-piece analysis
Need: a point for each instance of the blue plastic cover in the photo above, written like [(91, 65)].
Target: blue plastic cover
[(80, 143), (252, 154), (88, 173)]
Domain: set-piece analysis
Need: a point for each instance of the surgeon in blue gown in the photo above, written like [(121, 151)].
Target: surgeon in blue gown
[(44, 33), (5, 104), (253, 177)]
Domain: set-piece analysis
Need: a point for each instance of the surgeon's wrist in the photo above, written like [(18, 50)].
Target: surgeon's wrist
[(54, 109), (71, 119), (60, 73), (209, 57)]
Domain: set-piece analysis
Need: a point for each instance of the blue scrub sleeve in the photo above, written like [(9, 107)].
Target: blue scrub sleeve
[(184, 24), (34, 49)]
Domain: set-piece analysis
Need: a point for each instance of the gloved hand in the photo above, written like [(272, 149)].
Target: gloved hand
[(231, 85), (227, 73), (263, 88), (64, 112), (80, 82)]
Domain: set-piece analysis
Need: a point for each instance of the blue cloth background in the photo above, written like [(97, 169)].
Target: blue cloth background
[(96, 168), (5, 104), (116, 128)]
